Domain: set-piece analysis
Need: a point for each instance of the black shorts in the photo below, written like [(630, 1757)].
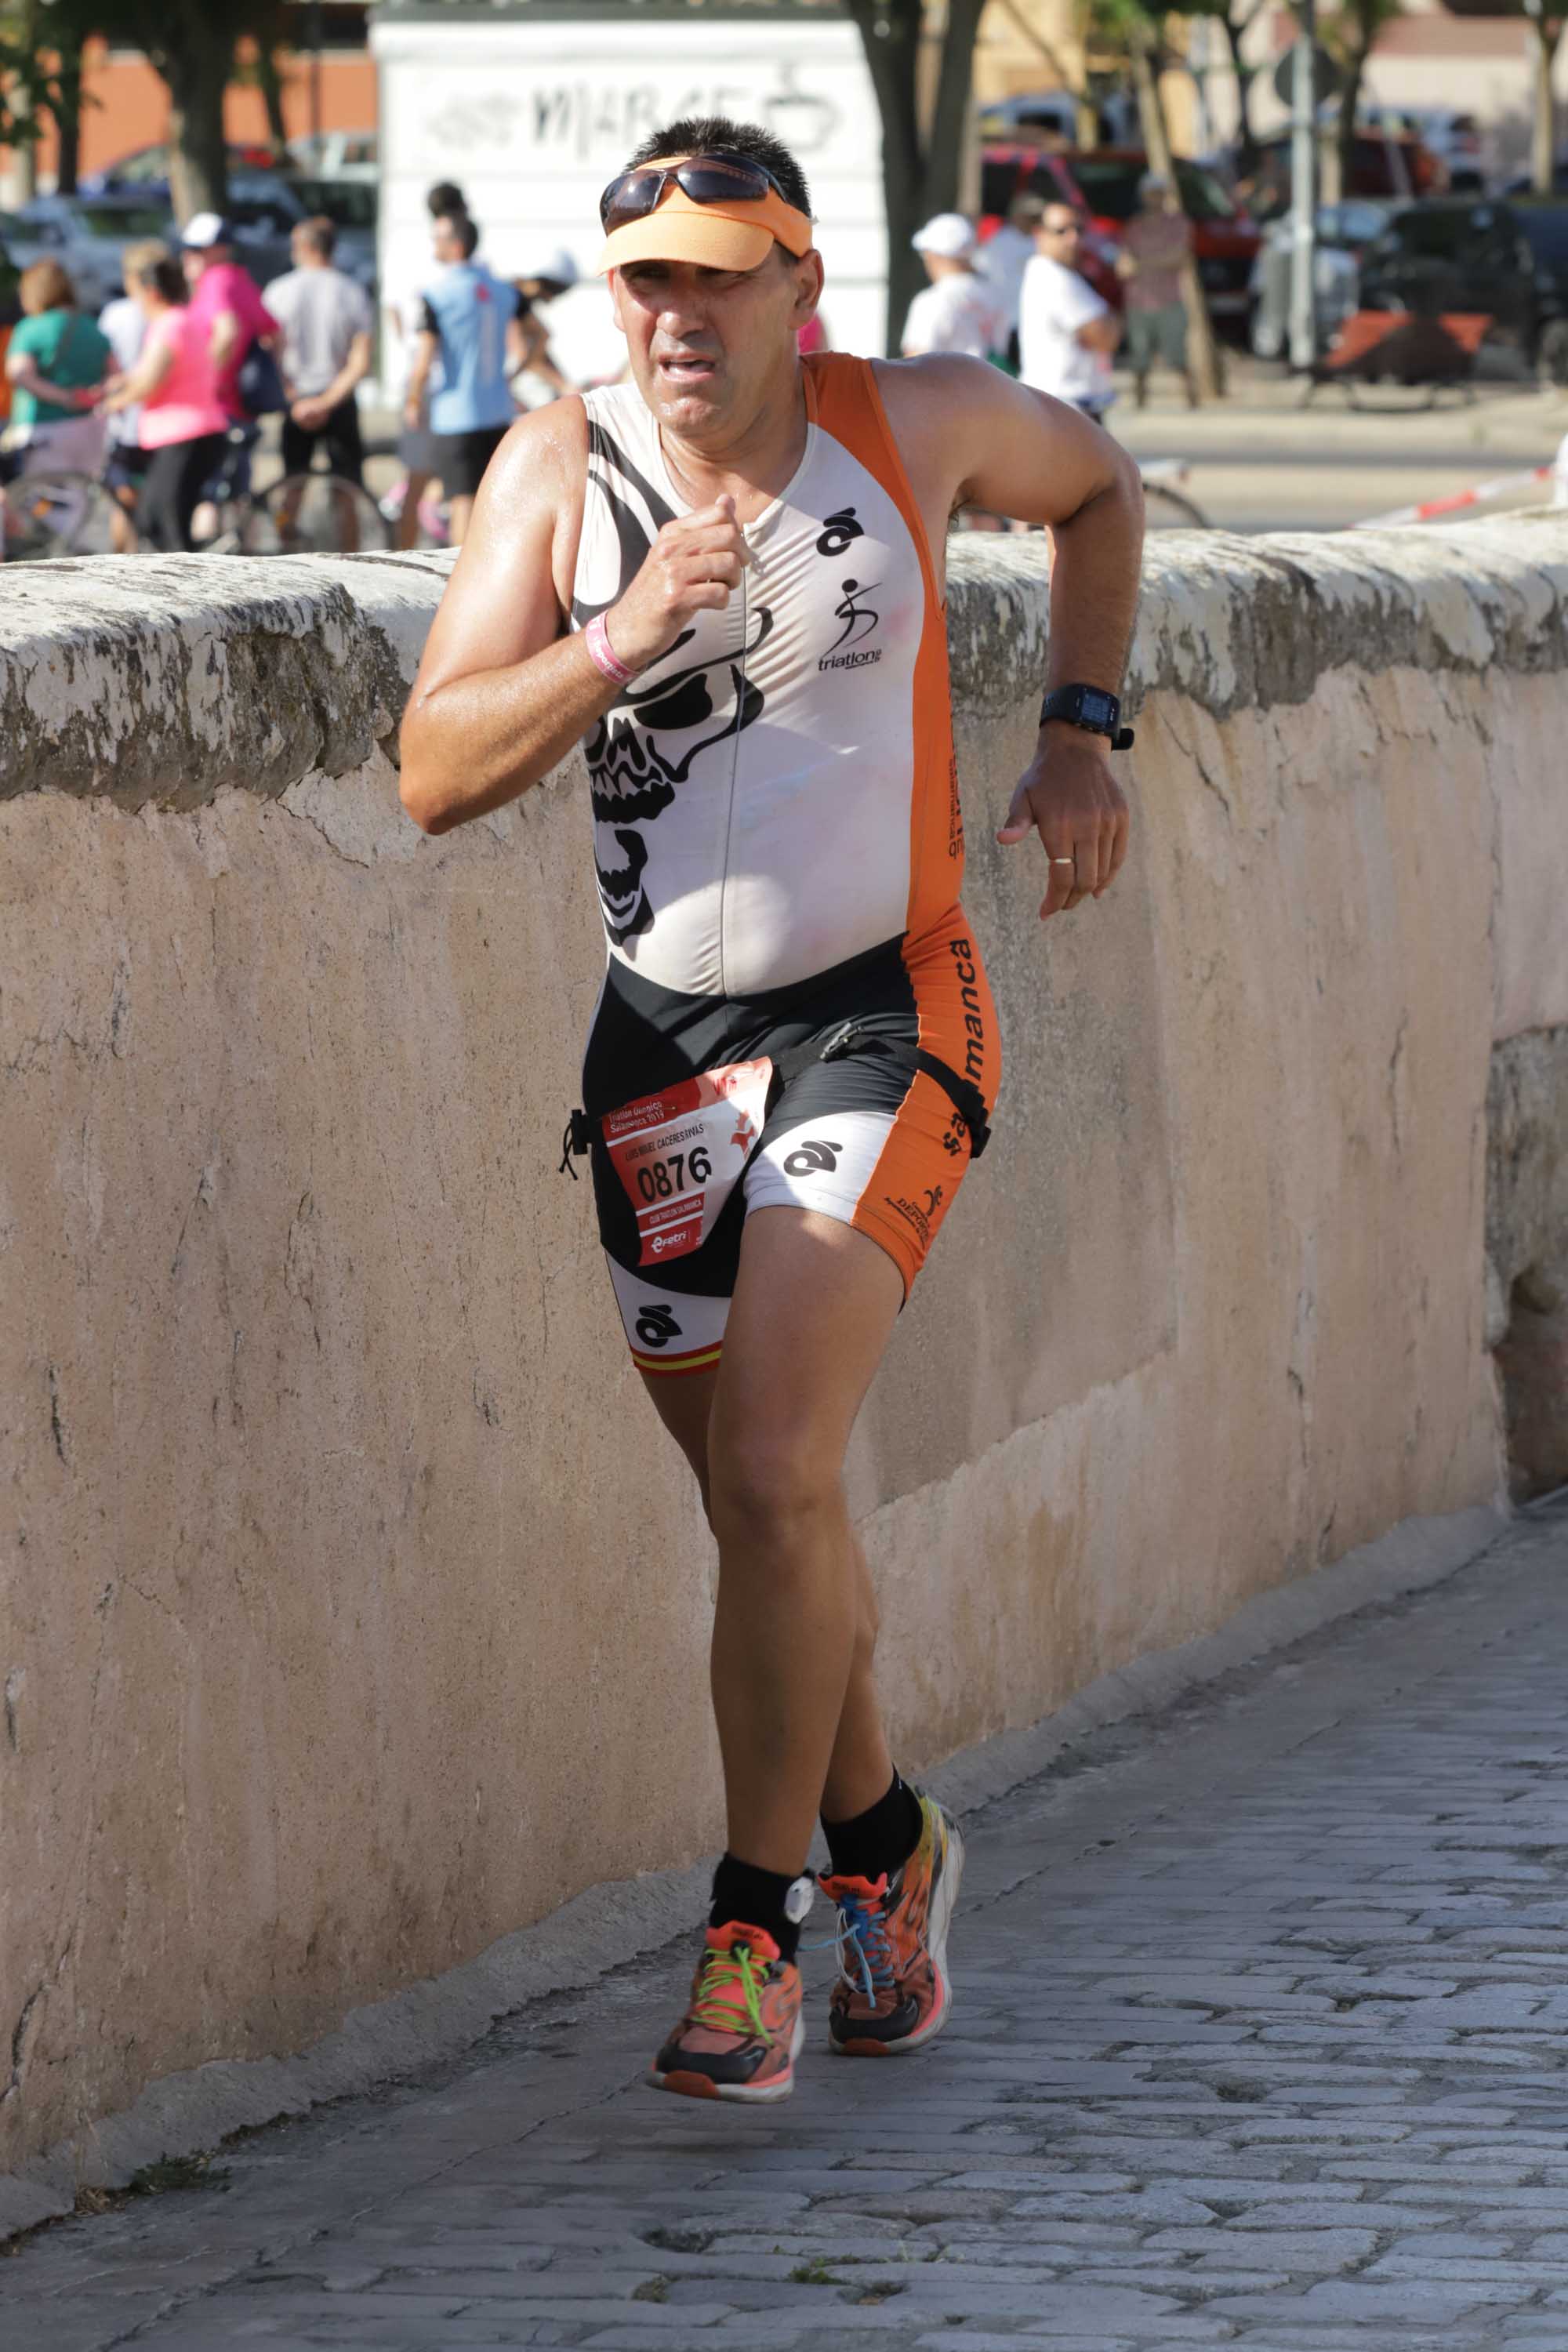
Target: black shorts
[(885, 1073), (416, 450), (127, 465), (338, 433), (461, 459)]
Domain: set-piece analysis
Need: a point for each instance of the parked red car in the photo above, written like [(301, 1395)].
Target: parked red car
[(1101, 183)]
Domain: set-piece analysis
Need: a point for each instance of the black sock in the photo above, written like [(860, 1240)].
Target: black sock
[(742, 1891), (880, 1839)]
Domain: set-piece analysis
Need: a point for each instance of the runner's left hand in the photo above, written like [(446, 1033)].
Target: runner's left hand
[(1068, 795)]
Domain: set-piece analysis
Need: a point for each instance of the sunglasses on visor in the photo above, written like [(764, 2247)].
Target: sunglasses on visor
[(713, 179)]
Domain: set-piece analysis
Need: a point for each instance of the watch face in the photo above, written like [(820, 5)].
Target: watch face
[(1099, 708)]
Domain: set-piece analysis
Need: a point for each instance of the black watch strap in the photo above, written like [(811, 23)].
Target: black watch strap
[(1090, 707)]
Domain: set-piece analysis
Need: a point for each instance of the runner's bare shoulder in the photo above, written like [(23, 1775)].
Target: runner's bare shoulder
[(510, 589), (941, 409)]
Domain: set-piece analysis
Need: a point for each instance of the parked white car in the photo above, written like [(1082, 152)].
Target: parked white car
[(87, 236)]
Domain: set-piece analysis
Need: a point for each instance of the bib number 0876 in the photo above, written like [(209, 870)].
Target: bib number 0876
[(655, 1183)]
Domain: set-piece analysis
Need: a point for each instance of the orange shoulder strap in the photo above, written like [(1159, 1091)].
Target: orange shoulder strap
[(843, 400)]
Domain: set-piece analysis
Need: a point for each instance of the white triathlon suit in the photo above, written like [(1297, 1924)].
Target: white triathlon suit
[(778, 849)]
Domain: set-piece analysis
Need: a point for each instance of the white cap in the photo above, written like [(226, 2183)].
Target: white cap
[(203, 230), (558, 266), (949, 236)]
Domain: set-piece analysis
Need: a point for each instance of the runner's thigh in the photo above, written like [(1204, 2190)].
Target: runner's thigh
[(814, 1304)]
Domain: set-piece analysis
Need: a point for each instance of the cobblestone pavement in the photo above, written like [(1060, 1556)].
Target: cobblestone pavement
[(1258, 2042)]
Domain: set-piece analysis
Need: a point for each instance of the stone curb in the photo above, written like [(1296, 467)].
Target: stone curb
[(605, 1925)]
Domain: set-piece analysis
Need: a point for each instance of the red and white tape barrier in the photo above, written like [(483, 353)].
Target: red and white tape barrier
[(1497, 487)]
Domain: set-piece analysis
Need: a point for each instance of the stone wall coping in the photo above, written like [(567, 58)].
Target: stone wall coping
[(166, 680)]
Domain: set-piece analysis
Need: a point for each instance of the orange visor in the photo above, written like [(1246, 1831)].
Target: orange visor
[(713, 237)]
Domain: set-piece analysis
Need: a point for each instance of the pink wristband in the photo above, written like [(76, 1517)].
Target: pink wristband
[(603, 654)]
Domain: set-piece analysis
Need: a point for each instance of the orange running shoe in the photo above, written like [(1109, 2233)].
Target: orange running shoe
[(893, 1991), (743, 2032)]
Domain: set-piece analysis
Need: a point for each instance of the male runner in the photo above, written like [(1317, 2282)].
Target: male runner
[(470, 327), (727, 575)]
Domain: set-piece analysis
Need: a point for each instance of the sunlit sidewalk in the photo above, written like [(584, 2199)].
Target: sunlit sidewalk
[(1258, 2041)]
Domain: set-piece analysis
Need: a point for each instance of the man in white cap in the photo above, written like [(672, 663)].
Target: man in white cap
[(226, 301), (725, 577), (959, 310)]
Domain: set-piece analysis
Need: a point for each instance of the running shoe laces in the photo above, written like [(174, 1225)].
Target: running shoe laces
[(728, 1995), (865, 1951)]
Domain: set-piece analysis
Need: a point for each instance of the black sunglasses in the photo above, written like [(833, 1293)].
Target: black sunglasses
[(713, 179)]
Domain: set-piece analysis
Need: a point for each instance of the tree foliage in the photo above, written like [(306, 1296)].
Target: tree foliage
[(191, 45), (1349, 33)]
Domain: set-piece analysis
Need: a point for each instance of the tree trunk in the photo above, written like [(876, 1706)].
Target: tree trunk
[(1545, 36), (1343, 150), (1203, 355), (1245, 144), (890, 34), (197, 62), (25, 152), (67, 115), (269, 80), (943, 150)]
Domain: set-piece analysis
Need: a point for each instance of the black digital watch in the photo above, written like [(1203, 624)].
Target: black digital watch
[(1090, 707)]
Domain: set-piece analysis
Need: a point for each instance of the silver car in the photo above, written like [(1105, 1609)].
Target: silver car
[(87, 236)]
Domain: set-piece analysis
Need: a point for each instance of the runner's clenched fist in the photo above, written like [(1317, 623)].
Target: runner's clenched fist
[(691, 567)]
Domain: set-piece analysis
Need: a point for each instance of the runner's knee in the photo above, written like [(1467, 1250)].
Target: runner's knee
[(770, 1487)]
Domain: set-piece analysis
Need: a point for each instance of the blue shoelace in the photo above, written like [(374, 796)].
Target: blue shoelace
[(860, 1939)]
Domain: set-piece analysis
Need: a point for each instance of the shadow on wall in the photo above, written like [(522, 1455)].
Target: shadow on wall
[(1527, 1253)]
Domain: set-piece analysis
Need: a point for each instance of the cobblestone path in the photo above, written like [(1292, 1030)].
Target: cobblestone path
[(1258, 2042)]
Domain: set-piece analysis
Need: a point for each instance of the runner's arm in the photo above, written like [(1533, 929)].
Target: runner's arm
[(503, 693), (1018, 452)]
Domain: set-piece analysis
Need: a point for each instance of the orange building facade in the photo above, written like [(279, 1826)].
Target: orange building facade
[(128, 105)]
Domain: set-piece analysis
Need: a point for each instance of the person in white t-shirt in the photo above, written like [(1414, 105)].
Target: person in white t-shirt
[(1067, 333), (1005, 257), (958, 311)]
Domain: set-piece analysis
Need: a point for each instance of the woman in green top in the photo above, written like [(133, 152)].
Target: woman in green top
[(57, 362)]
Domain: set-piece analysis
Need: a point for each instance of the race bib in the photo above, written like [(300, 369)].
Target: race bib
[(679, 1153)]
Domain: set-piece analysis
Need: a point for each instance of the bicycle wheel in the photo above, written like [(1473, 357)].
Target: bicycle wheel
[(1166, 510), (315, 514), (58, 514)]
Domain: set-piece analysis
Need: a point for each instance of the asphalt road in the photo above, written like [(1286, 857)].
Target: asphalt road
[(1256, 461)]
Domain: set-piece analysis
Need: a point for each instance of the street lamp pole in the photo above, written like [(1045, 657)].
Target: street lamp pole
[(1304, 188)]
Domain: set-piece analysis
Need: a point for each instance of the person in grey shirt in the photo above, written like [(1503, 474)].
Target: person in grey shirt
[(327, 324)]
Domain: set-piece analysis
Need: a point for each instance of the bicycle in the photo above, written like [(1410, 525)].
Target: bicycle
[(57, 513), (301, 514), (1166, 509)]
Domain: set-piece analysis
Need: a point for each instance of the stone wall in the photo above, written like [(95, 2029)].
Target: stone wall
[(355, 1607)]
